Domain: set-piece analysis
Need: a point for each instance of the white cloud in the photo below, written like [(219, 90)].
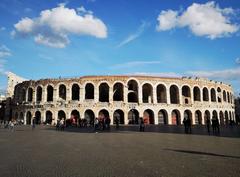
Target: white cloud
[(202, 19), (27, 10), (53, 26), (135, 35), (4, 52), (134, 64), (2, 28), (238, 60), (161, 74)]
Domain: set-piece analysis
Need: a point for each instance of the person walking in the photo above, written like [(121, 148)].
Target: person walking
[(11, 125), (62, 124), (96, 124), (58, 125), (185, 125)]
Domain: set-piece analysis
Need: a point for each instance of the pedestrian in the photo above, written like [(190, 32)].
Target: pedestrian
[(62, 124), (11, 125), (208, 125), (185, 125), (96, 122), (33, 123), (142, 126), (214, 125), (58, 124), (117, 122), (217, 126)]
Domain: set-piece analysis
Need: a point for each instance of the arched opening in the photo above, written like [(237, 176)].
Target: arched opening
[(174, 94), (30, 94), (132, 91), (89, 116), (62, 92), (118, 92), (75, 116), (148, 116), (230, 116), (133, 116), (61, 115), (206, 116), (188, 115), (198, 117), (196, 94), (226, 118), (89, 91), (75, 92), (162, 117), (176, 119), (219, 95), (161, 94), (224, 96), (103, 114), (213, 95), (147, 93), (23, 95), (104, 92), (49, 117), (205, 94), (29, 118), (214, 115), (118, 115), (221, 118), (228, 97), (39, 93), (186, 94), (49, 93), (38, 117)]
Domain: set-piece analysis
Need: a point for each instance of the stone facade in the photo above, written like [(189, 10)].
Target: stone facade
[(161, 100)]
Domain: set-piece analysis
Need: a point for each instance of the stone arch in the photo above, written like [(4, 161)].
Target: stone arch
[(118, 115), (148, 116), (228, 97), (61, 115), (89, 116), (133, 116), (219, 94), (103, 92), (75, 92), (49, 117), (230, 115), (176, 117), (224, 96), (213, 95), (206, 116), (38, 117), (163, 117), (221, 116), (147, 93), (30, 94), (103, 114), (205, 94), (49, 93), (226, 118), (196, 94), (214, 114), (186, 94), (188, 115), (75, 116), (29, 118), (161, 93), (89, 91), (62, 92), (174, 94), (118, 91), (132, 91), (198, 117), (39, 94)]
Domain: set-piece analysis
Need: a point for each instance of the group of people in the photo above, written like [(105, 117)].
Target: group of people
[(60, 124), (102, 123)]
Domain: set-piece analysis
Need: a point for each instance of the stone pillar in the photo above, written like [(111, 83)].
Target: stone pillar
[(154, 95), (44, 95), (68, 94), (125, 94), (140, 94), (82, 94), (96, 94), (168, 95), (180, 96), (155, 117), (192, 95), (55, 94), (110, 94), (34, 96), (125, 117)]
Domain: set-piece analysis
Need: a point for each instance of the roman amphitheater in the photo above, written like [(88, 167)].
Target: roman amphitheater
[(159, 100)]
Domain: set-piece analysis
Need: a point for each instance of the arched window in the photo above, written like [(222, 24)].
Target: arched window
[(62, 92), (176, 118), (89, 116), (205, 94), (61, 115), (118, 92), (148, 116), (75, 92), (162, 117), (49, 93), (174, 94), (186, 94), (38, 117), (198, 117), (104, 92), (188, 115), (224, 96), (89, 91), (30, 94), (219, 95), (161, 94), (132, 91), (196, 94), (133, 116), (49, 117), (118, 115), (39, 93), (147, 93), (213, 95)]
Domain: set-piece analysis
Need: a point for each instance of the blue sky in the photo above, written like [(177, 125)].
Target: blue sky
[(45, 39)]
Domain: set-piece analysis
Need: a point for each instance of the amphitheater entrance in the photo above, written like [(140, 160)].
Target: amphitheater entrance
[(38, 117), (89, 116), (103, 114), (198, 117), (188, 115), (226, 118), (61, 115), (206, 116), (162, 117), (133, 116), (49, 117), (221, 118), (148, 116), (176, 119), (29, 118), (118, 115), (75, 115)]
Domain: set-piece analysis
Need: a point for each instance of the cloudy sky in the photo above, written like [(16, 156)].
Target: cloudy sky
[(46, 39)]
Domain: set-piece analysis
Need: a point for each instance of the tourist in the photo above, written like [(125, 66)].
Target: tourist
[(185, 125), (62, 124), (142, 126), (58, 124), (11, 125), (96, 122), (208, 125), (117, 122)]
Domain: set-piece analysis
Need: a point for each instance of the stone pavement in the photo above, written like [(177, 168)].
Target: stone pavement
[(45, 152)]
